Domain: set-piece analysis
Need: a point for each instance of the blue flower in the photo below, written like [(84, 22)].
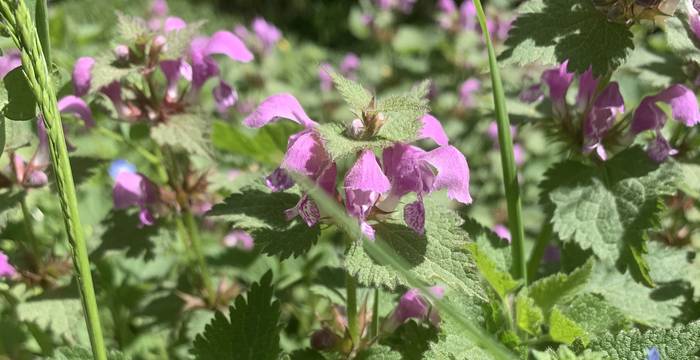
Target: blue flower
[(653, 354), (120, 165)]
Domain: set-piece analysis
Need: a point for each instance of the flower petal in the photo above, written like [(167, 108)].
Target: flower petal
[(120, 165), (279, 180), (683, 102), (648, 116), (414, 216), (432, 129), (406, 171), (133, 189), (6, 270), (240, 239), (74, 105), (453, 172), (307, 209), (174, 23), (659, 149), (366, 174), (350, 64), (226, 43), (558, 80), (82, 75), (502, 232), (225, 97), (267, 33), (278, 106), (306, 155), (171, 70), (586, 88)]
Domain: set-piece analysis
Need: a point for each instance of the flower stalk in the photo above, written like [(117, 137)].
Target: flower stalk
[(510, 173), (24, 35), (196, 246)]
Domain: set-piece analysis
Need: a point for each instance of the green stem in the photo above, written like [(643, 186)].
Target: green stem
[(510, 172), (196, 243), (538, 251), (351, 308), (24, 35)]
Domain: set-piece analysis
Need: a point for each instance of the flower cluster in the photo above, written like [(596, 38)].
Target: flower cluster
[(597, 109), (262, 39), (372, 187)]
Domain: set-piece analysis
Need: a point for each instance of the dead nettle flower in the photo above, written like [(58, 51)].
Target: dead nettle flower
[(6, 269), (348, 68), (518, 150), (414, 305), (196, 65), (649, 116), (693, 9), (239, 239), (132, 189), (502, 232), (451, 18), (263, 38), (405, 168), (597, 111), (467, 90)]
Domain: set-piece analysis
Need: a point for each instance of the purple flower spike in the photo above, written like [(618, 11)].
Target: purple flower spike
[(558, 80), (364, 183), (74, 105), (9, 62), (279, 106), (6, 270), (226, 43), (432, 129), (502, 232), (239, 239), (452, 172), (267, 33), (82, 75), (467, 90), (648, 116), (467, 15), (279, 180), (225, 97)]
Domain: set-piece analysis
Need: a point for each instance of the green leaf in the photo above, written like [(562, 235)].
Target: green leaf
[(680, 38), (637, 302), (528, 315), (355, 95), (412, 340), (9, 205), (188, 132), (105, 71), (21, 102), (564, 353), (691, 180), (563, 329), (609, 209), (340, 146), (251, 331), (132, 29), (403, 113), (453, 344), (18, 134), (268, 145), (438, 257), (552, 31), (179, 41), (499, 280), (489, 243), (63, 317), (557, 288), (256, 209), (378, 352), (595, 315), (83, 353), (678, 343)]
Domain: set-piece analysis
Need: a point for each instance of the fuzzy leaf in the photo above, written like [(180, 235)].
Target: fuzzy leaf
[(261, 212), (436, 258), (355, 95), (453, 344), (563, 329), (21, 102), (104, 71), (609, 209), (564, 353), (178, 41), (595, 315), (489, 243), (83, 353), (251, 331), (63, 317), (499, 280), (268, 145), (9, 204), (557, 288), (132, 29), (412, 340), (528, 315), (402, 114), (552, 31), (678, 343), (680, 38), (378, 352), (340, 146), (189, 133)]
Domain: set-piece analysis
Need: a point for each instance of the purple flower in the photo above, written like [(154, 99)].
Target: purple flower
[(349, 65), (558, 81), (467, 90), (279, 180), (432, 129), (225, 97), (601, 118), (502, 232), (267, 33), (532, 94), (586, 89), (82, 75), (324, 339), (74, 105), (413, 305), (202, 49), (694, 17), (653, 354), (467, 15), (6, 270), (133, 189), (9, 61), (159, 8), (648, 116), (239, 239), (364, 184)]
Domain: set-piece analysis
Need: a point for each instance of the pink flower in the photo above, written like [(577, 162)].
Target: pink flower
[(413, 305), (467, 90), (502, 232), (601, 118), (82, 75), (267, 34), (558, 80), (364, 184), (349, 65), (9, 61), (6, 269), (239, 239), (132, 189)]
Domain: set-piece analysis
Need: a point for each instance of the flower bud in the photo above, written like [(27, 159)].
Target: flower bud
[(324, 339), (121, 52), (356, 129)]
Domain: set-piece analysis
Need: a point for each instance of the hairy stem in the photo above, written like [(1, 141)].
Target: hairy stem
[(25, 36), (351, 308), (510, 172)]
